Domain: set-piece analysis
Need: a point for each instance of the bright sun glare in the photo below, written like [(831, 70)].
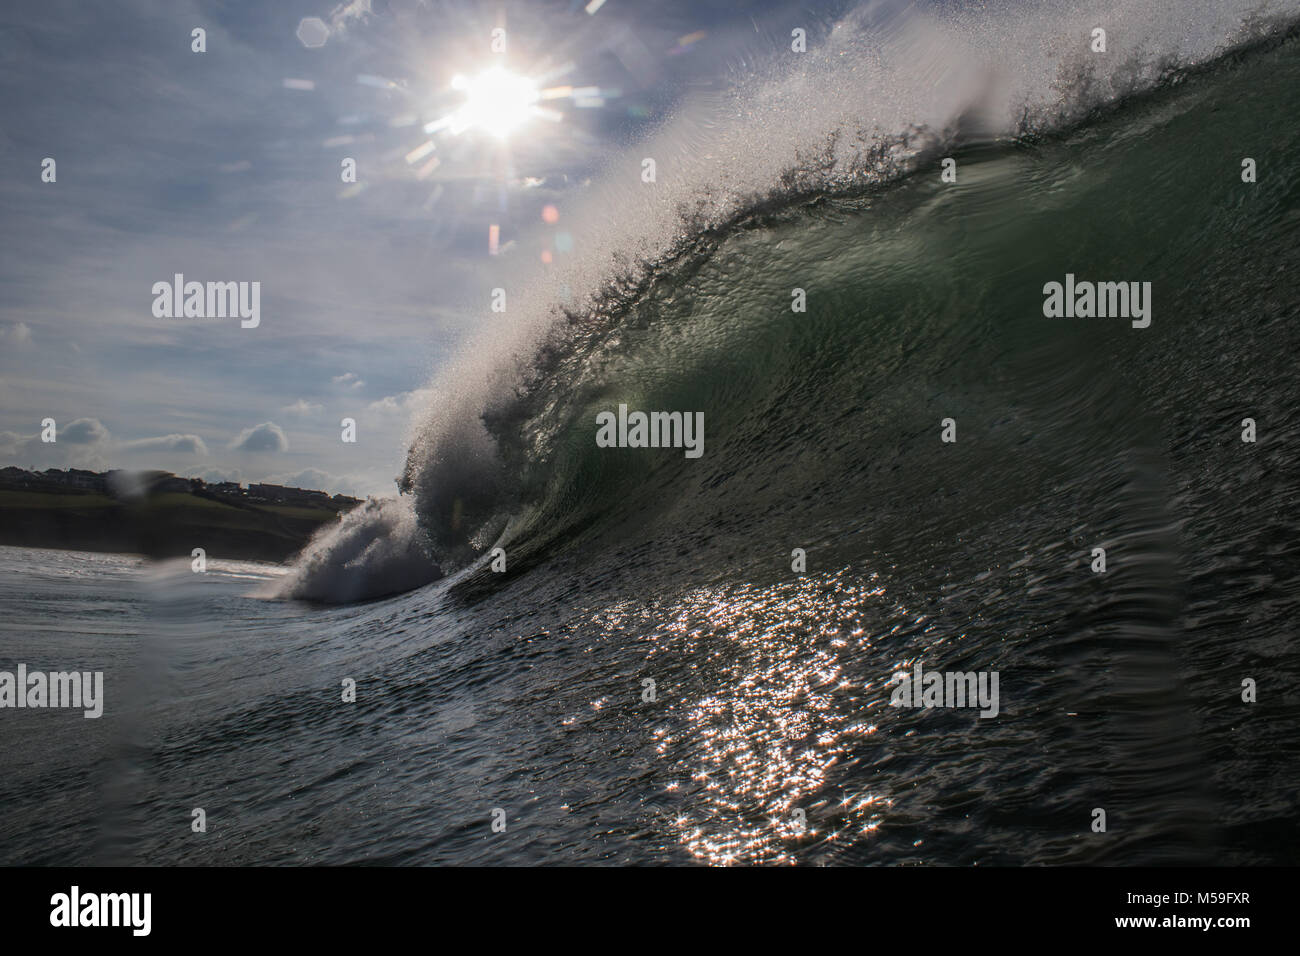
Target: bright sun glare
[(496, 100)]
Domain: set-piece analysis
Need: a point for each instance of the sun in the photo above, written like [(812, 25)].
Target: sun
[(496, 101)]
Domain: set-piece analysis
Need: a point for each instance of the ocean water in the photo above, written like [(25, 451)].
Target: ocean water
[(770, 738)]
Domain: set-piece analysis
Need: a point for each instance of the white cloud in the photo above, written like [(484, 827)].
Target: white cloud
[(302, 407), (214, 475), (17, 333), (13, 444), (402, 402), (179, 444), (83, 431), (313, 479), (265, 437), (86, 448), (348, 380), (351, 10)]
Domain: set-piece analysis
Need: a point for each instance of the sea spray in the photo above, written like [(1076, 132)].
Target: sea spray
[(376, 549)]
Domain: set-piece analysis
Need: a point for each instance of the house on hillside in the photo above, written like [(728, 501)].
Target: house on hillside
[(289, 496), (75, 478)]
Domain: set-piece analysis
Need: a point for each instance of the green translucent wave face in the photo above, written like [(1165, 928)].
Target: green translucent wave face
[(925, 302)]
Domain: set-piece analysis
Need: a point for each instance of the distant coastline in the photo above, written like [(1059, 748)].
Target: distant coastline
[(160, 515)]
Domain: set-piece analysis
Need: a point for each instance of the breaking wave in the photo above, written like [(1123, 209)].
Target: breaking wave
[(822, 177)]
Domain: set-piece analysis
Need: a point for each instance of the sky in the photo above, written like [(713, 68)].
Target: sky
[(227, 165)]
